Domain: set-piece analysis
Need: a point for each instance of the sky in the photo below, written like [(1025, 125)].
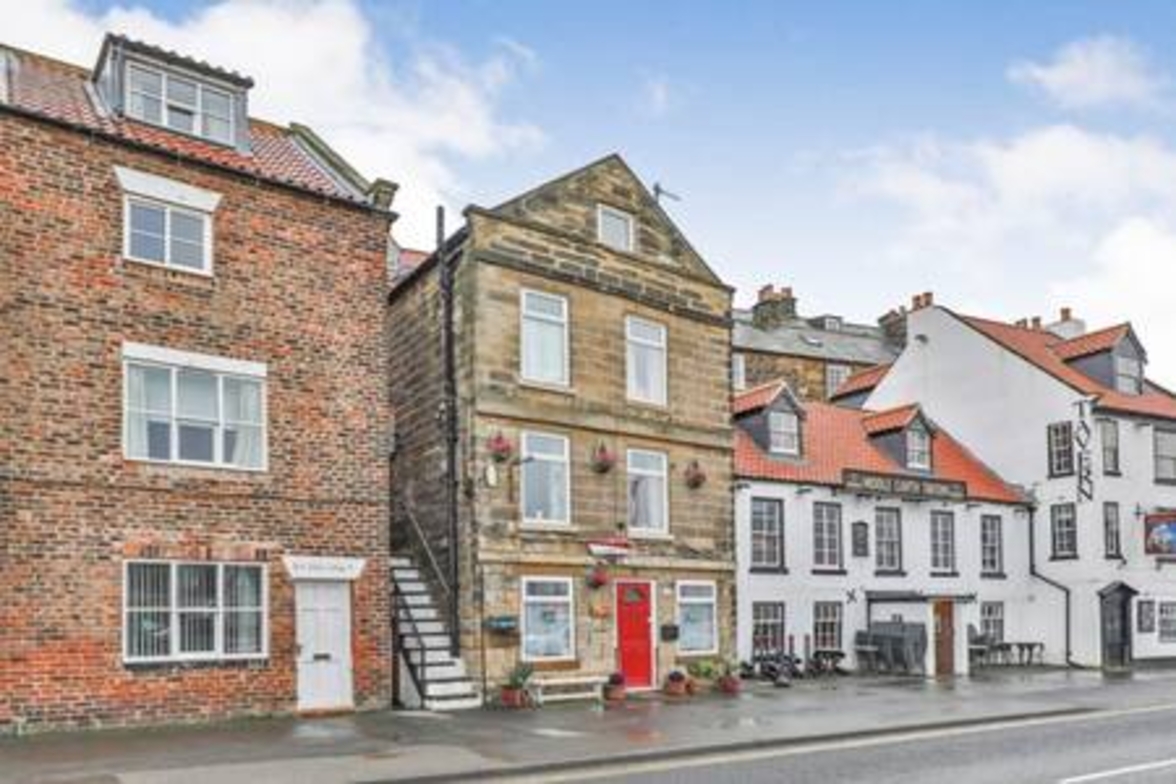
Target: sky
[(1012, 157)]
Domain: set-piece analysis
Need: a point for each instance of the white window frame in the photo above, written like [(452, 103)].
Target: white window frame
[(1166, 612), (1060, 442), (1112, 530), (173, 197), (992, 614), (198, 111), (783, 440), (1164, 463), (526, 455), (1128, 375), (639, 531), (918, 448), (836, 374), (778, 620), (570, 600), (738, 371), (660, 397), (174, 612), (1108, 434), (713, 602), (141, 355), (888, 542), (562, 321), (991, 546), (1058, 535), (757, 535), (630, 222), (821, 561), (943, 543), (838, 618)]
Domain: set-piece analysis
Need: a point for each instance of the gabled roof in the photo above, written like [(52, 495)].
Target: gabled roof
[(62, 93), (862, 381), (878, 422), (836, 438), (755, 398), (1038, 347), (1091, 342)]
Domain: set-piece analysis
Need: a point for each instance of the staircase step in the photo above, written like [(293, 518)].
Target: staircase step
[(402, 573), (418, 613), (437, 641), (434, 656), (400, 562), (453, 703), (462, 688)]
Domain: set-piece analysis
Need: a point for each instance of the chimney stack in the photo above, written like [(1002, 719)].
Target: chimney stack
[(1067, 327), (1035, 323), (773, 308), (894, 327)]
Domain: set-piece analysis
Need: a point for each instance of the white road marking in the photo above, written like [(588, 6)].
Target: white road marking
[(724, 758), (1111, 774)]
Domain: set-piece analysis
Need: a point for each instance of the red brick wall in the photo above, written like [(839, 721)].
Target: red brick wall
[(299, 284)]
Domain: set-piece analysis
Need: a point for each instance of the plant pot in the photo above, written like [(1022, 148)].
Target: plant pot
[(513, 698), (615, 692), (676, 688), (729, 684)]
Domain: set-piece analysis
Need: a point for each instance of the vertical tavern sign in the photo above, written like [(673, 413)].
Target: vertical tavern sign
[(1083, 463)]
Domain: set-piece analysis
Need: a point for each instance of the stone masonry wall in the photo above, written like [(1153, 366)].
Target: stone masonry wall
[(805, 375), (299, 284)]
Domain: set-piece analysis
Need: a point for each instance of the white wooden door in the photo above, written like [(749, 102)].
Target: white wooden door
[(324, 644)]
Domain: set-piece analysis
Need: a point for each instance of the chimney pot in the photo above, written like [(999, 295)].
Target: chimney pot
[(1067, 314), (917, 302), (1036, 322), (928, 299), (766, 292)]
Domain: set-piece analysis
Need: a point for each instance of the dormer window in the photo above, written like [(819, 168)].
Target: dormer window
[(161, 98), (783, 433), (1129, 375), (614, 228), (833, 323), (918, 443)]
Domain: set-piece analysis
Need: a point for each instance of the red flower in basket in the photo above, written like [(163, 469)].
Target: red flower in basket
[(597, 577), (603, 459), (695, 476), (499, 447)]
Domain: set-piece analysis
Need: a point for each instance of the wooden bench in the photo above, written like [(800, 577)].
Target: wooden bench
[(574, 687)]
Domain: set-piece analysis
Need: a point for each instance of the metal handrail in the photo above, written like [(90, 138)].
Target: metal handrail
[(438, 575), (420, 679)]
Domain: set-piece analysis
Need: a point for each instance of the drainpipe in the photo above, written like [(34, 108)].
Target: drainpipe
[(1049, 581), (450, 403)]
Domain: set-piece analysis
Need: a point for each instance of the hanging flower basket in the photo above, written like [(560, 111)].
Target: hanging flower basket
[(695, 476), (597, 577), (499, 447), (603, 459)]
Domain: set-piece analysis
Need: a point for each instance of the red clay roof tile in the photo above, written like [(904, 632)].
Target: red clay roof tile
[(862, 381)]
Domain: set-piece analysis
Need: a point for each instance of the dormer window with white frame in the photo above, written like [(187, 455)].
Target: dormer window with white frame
[(1128, 375), (166, 223), (918, 443), (783, 433), (180, 103), (614, 228)]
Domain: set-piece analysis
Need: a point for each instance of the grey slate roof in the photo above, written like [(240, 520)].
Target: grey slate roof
[(856, 343)]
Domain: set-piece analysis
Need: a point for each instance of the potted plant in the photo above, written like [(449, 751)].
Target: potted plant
[(728, 681), (695, 476), (514, 692), (677, 684), (603, 459), (597, 577), (499, 447), (614, 688)]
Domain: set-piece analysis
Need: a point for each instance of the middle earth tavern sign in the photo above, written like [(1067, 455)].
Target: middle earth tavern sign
[(903, 486)]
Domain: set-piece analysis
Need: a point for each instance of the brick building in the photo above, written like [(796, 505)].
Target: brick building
[(590, 354), (815, 354), (193, 409)]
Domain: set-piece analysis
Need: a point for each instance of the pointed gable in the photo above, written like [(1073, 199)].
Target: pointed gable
[(572, 204)]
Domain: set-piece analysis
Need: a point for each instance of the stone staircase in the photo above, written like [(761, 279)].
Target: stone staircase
[(430, 676)]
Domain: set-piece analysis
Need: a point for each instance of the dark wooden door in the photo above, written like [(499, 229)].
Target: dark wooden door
[(635, 633), (944, 638), (1116, 629)]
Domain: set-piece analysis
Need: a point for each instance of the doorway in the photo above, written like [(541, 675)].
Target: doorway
[(1115, 607), (635, 648), (323, 634), (945, 637)]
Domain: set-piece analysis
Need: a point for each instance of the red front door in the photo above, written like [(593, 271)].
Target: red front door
[(634, 633)]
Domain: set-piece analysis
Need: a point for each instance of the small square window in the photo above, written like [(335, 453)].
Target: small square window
[(615, 228)]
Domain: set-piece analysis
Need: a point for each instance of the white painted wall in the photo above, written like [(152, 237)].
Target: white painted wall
[(1000, 405), (1027, 602)]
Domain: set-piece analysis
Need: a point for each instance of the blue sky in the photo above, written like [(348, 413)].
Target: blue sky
[(1014, 157)]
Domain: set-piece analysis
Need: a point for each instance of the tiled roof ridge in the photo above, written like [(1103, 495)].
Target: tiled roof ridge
[(856, 382)]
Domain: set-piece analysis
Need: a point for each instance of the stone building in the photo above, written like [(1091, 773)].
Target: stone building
[(193, 412), (591, 445), (814, 354)]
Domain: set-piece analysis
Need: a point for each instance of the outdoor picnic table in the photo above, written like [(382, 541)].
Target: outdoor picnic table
[(827, 659)]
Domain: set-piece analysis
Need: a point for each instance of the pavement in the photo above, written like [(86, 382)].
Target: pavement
[(474, 745)]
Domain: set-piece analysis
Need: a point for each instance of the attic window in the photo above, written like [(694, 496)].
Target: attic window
[(783, 433), (1128, 375), (918, 448), (186, 105), (833, 323), (614, 228)]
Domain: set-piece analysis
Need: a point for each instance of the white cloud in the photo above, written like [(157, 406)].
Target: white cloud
[(408, 115), (1058, 215), (657, 97), (1093, 72)]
